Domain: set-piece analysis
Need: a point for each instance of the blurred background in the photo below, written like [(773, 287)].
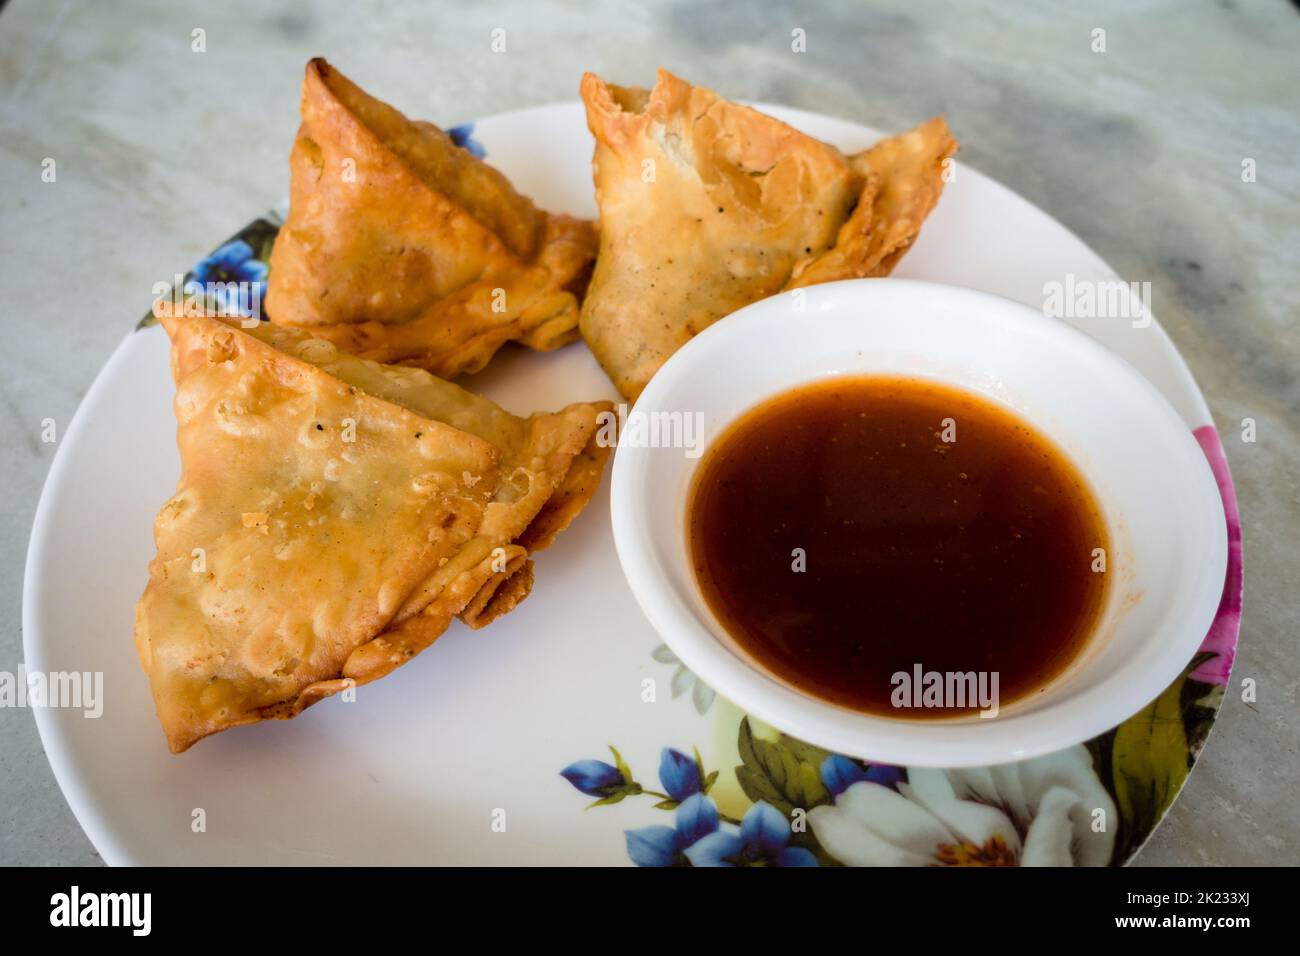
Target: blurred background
[(163, 151)]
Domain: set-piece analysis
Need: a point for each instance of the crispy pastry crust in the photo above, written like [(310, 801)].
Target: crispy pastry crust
[(550, 463), (904, 178), (404, 248), (707, 205), (306, 517), (326, 562)]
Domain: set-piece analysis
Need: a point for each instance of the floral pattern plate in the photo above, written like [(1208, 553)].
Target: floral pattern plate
[(567, 732)]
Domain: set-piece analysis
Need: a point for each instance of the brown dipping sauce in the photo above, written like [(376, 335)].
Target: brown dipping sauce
[(968, 555)]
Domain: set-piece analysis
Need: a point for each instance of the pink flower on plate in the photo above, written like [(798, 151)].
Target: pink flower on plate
[(1221, 641)]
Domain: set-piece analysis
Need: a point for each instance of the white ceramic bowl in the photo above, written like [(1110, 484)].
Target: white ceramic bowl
[(1161, 504)]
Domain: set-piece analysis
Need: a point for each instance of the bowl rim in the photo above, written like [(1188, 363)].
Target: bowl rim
[(1013, 737)]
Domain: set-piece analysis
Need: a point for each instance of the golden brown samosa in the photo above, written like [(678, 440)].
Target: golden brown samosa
[(707, 205), (321, 536), (904, 177), (550, 463), (402, 247)]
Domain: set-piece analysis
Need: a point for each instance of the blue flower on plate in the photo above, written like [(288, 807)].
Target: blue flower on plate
[(679, 774), (838, 773), (237, 276), (595, 778), (697, 837), (463, 136), (764, 833), (695, 820)]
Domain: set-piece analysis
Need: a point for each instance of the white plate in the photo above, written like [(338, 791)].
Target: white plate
[(427, 764)]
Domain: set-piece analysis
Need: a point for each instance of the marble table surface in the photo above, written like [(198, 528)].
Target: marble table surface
[(160, 151)]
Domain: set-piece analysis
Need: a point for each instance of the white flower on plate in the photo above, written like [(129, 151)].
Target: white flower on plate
[(683, 680), (1041, 812)]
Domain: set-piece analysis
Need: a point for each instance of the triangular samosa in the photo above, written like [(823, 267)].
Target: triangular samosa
[(707, 205), (550, 463), (402, 247), (321, 536)]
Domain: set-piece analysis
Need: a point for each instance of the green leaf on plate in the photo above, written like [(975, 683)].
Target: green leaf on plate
[(624, 770), (774, 772), (806, 752), (615, 794), (263, 248), (1149, 760), (699, 769), (664, 655)]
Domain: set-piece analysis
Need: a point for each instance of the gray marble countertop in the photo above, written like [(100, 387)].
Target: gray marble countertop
[(161, 151)]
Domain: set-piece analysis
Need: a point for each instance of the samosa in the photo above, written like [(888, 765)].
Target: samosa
[(322, 535), (402, 247), (550, 463), (707, 205)]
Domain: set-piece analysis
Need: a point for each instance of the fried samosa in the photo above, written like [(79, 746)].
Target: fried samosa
[(402, 247), (320, 536), (904, 177), (550, 463), (707, 205)]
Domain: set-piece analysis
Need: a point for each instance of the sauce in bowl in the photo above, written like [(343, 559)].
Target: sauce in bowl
[(856, 529)]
